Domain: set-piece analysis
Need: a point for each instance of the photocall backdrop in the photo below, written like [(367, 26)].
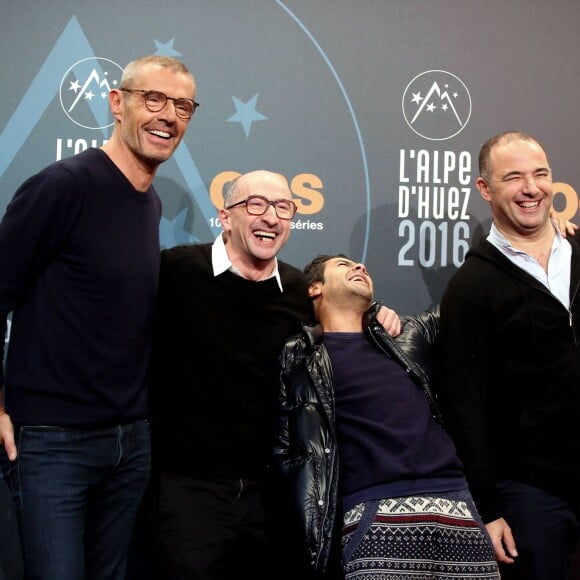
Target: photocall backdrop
[(374, 110)]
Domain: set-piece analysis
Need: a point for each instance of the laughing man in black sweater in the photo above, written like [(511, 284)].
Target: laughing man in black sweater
[(224, 312)]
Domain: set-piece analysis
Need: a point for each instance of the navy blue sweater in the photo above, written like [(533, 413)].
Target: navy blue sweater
[(79, 258), (389, 445)]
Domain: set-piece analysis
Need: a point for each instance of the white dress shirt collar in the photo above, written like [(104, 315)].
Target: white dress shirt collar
[(220, 262)]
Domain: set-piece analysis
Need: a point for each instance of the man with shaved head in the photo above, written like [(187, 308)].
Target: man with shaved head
[(224, 311)]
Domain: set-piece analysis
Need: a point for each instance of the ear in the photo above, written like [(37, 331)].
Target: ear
[(483, 188), (224, 217), (116, 103), (315, 289)]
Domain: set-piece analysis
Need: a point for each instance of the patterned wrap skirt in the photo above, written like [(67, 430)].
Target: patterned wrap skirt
[(436, 536)]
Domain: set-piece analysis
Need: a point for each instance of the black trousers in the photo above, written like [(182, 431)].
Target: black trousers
[(210, 529), (546, 529)]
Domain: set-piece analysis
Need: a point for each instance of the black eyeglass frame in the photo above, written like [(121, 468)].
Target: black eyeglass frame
[(145, 93), (274, 203)]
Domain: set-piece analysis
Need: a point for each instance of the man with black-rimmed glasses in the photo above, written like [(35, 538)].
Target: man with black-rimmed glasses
[(224, 311)]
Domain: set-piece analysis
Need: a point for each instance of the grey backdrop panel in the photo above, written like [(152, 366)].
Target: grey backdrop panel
[(374, 110)]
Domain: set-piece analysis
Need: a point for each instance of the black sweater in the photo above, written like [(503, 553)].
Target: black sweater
[(79, 267), (215, 366), (511, 388)]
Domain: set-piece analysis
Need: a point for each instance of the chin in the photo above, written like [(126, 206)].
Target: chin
[(265, 255)]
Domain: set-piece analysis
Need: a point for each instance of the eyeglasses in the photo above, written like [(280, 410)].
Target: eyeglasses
[(156, 100), (258, 205)]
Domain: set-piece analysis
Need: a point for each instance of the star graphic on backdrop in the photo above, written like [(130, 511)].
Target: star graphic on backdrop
[(431, 107), (172, 232), (417, 98), (166, 49), (74, 86), (246, 113)]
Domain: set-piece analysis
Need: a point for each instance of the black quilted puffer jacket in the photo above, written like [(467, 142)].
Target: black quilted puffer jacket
[(306, 450)]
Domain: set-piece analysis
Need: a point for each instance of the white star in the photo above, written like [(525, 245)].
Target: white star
[(74, 86), (417, 98), (89, 96)]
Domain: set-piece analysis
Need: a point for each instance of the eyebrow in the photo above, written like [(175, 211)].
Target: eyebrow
[(521, 173)]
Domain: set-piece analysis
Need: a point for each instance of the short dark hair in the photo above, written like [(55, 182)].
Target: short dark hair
[(314, 271), (229, 189), (499, 139)]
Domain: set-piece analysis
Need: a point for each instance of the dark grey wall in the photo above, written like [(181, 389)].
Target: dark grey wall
[(323, 91)]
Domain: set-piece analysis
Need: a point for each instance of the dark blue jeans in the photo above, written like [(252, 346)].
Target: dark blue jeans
[(76, 494), (545, 528)]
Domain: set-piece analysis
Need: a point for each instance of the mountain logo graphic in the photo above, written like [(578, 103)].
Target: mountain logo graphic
[(84, 91), (436, 105)]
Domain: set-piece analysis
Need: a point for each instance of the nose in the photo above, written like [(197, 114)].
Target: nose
[(530, 185), (360, 268), (270, 212), (168, 111)]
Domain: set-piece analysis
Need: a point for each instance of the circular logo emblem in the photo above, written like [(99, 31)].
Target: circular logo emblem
[(436, 105), (84, 91)]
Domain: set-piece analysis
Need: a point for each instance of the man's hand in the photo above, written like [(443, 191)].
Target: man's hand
[(7, 435), (565, 226), (390, 321), (503, 541)]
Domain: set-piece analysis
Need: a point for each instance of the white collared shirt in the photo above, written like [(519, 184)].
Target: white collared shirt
[(220, 262), (557, 278)]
